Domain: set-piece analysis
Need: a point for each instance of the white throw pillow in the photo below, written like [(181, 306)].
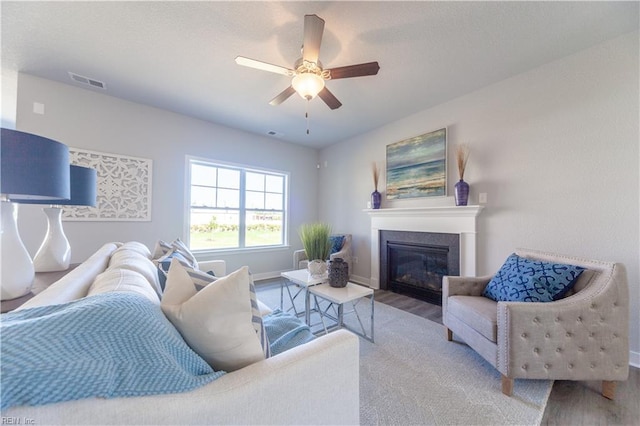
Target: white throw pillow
[(217, 321), (123, 280)]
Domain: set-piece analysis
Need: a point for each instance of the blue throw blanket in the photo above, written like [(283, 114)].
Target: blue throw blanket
[(108, 345), (285, 331)]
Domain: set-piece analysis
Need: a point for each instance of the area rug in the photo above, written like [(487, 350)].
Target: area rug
[(412, 375)]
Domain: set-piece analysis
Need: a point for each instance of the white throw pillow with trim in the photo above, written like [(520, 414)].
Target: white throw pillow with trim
[(218, 321)]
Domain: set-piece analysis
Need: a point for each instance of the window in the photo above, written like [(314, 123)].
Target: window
[(235, 207)]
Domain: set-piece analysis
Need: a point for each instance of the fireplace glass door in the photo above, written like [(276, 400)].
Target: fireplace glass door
[(417, 269)]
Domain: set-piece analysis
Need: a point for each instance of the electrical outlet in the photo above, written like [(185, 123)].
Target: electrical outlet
[(482, 198), (355, 260), (38, 108)]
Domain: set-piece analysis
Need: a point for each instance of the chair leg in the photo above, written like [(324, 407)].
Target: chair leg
[(507, 385), (609, 389), (449, 334)]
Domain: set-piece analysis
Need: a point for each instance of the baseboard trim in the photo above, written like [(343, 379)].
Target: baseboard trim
[(360, 280), (634, 359), (266, 275)]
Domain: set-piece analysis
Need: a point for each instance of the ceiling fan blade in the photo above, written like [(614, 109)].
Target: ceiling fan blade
[(329, 99), (283, 96), (264, 66), (359, 70), (313, 28)]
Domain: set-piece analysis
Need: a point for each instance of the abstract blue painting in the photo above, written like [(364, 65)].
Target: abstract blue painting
[(417, 167)]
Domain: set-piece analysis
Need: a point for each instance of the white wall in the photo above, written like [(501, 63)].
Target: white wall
[(86, 119), (555, 149)]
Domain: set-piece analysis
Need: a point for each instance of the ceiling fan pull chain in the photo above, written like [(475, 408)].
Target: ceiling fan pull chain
[(306, 115)]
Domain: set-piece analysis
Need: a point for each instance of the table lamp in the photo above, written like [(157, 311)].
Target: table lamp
[(31, 168), (54, 253)]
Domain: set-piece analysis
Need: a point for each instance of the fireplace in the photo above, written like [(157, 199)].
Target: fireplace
[(444, 219), (415, 262)]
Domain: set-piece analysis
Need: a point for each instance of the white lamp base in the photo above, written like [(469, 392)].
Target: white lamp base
[(55, 253), (17, 269)]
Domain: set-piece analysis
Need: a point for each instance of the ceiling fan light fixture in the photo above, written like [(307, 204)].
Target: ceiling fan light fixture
[(307, 85)]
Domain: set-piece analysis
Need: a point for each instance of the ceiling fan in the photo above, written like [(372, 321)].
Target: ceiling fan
[(308, 74)]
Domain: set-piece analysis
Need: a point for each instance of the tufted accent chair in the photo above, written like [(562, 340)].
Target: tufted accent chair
[(300, 260), (584, 336)]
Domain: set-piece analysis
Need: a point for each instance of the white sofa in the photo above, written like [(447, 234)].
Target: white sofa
[(314, 383)]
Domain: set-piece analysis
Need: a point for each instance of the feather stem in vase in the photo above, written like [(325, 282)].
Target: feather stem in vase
[(376, 174), (462, 155)]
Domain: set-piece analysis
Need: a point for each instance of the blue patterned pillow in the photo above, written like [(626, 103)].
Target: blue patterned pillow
[(527, 280), (336, 243)]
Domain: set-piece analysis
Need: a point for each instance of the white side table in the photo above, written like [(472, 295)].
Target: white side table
[(304, 280), (339, 296)]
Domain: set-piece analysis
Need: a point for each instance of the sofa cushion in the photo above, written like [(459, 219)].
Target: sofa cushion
[(133, 260), (479, 313), (135, 246), (124, 281), (528, 280), (221, 322)]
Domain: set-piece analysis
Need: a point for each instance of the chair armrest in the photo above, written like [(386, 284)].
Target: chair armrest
[(299, 256), (464, 286), (342, 254), (582, 337), (219, 267), (461, 286)]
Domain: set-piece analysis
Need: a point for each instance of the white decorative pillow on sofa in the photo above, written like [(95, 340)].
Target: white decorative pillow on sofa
[(218, 321)]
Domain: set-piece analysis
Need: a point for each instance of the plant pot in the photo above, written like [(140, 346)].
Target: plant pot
[(317, 268)]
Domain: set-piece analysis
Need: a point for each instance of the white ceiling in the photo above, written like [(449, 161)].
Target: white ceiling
[(180, 55)]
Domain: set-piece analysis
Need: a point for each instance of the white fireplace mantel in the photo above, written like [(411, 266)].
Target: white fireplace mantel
[(459, 220)]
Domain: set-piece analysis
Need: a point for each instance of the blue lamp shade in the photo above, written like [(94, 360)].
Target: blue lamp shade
[(33, 167), (84, 185), (83, 189)]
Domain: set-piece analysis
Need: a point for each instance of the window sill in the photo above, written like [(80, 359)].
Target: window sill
[(211, 253)]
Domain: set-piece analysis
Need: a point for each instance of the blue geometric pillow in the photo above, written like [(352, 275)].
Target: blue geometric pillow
[(526, 280), (336, 243)]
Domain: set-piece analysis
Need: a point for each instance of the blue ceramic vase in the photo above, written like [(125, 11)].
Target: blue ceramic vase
[(376, 199), (462, 193)]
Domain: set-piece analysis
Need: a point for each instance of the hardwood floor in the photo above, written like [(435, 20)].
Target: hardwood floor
[(570, 403)]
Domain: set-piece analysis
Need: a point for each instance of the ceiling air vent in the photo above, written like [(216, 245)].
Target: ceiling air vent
[(87, 81)]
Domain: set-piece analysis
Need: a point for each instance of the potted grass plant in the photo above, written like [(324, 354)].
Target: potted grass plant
[(317, 246)]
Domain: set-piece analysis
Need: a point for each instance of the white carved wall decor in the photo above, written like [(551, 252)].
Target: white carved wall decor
[(124, 187)]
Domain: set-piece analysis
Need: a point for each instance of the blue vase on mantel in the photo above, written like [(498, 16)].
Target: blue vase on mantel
[(462, 193), (376, 199)]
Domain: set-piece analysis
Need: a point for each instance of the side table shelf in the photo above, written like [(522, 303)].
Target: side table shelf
[(340, 296), (40, 283)]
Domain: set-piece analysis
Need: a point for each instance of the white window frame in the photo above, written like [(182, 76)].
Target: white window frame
[(241, 209)]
